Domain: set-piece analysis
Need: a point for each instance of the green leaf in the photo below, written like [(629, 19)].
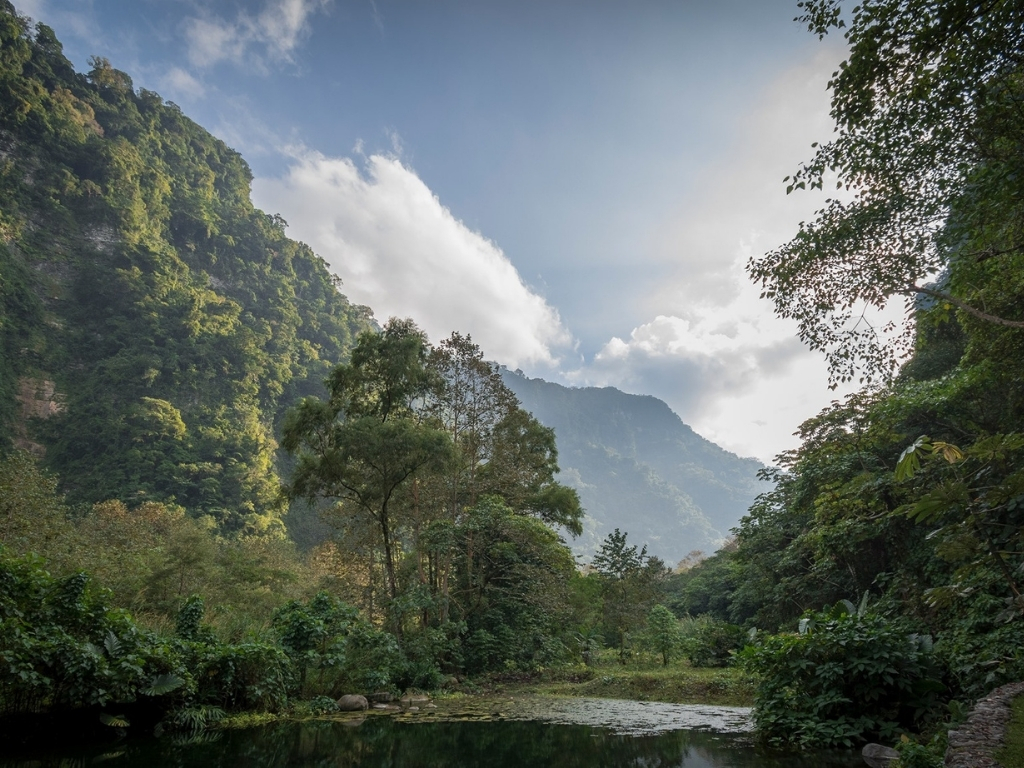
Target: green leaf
[(162, 684), (114, 721), (112, 644), (910, 460)]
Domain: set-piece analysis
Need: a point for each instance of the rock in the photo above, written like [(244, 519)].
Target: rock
[(381, 706), (352, 703), (878, 756)]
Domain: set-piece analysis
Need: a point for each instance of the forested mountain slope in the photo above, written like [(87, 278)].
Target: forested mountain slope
[(154, 325), (639, 468)]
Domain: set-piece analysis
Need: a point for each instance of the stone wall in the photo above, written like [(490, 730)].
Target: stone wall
[(982, 735)]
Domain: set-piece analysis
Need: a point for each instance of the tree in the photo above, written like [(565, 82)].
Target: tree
[(499, 450), (514, 595), (522, 470), (631, 581), (928, 148), (366, 443), (472, 404), (663, 632)]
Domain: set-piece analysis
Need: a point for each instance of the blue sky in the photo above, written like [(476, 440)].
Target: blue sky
[(576, 184)]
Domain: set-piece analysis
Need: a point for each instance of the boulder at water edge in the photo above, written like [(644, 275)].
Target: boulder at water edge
[(352, 703), (878, 756)]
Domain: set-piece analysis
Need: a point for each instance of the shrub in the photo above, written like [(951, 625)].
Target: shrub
[(313, 636), (61, 646), (322, 705), (373, 659), (710, 642), (663, 634), (249, 676), (845, 678), (426, 652)]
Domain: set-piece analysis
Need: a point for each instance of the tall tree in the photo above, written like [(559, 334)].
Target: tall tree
[(499, 450), (367, 441), (630, 583)]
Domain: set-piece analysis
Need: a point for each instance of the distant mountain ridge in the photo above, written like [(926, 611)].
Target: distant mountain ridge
[(639, 468)]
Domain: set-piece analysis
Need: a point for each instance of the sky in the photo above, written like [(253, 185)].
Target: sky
[(576, 184)]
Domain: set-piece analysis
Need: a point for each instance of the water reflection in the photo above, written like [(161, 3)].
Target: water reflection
[(380, 742)]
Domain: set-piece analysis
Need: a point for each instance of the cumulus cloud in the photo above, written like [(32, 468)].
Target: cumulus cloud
[(399, 250), (714, 350), (733, 371), (272, 34)]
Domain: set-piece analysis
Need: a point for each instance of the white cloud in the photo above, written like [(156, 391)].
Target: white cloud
[(80, 22), (399, 250), (714, 350), (182, 85), (34, 9), (275, 32)]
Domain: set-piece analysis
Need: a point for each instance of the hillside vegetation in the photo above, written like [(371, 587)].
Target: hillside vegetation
[(159, 337), (154, 325)]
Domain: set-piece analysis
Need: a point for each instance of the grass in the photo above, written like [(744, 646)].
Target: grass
[(1011, 755), (644, 680)]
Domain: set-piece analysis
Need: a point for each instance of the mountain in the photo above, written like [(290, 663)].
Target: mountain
[(154, 325), (639, 468)]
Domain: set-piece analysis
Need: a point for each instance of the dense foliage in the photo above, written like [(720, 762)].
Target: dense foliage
[(846, 677), (927, 146), (273, 630)]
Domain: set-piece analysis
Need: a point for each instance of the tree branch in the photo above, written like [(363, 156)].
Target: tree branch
[(964, 306)]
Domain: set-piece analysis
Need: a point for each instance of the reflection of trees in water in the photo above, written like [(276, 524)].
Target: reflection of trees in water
[(380, 742)]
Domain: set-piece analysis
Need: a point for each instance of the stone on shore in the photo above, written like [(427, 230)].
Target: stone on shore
[(352, 703)]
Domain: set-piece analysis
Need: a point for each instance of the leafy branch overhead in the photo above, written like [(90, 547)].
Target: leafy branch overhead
[(928, 150)]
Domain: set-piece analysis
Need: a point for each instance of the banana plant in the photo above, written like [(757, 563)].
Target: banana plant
[(975, 500)]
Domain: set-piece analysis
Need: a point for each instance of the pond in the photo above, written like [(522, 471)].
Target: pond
[(513, 733)]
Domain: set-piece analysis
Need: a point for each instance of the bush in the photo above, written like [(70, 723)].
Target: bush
[(845, 678), (61, 647), (249, 676), (428, 651), (322, 705), (373, 659), (710, 642), (663, 635), (313, 636)]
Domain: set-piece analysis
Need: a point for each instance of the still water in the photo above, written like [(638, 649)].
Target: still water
[(514, 734)]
